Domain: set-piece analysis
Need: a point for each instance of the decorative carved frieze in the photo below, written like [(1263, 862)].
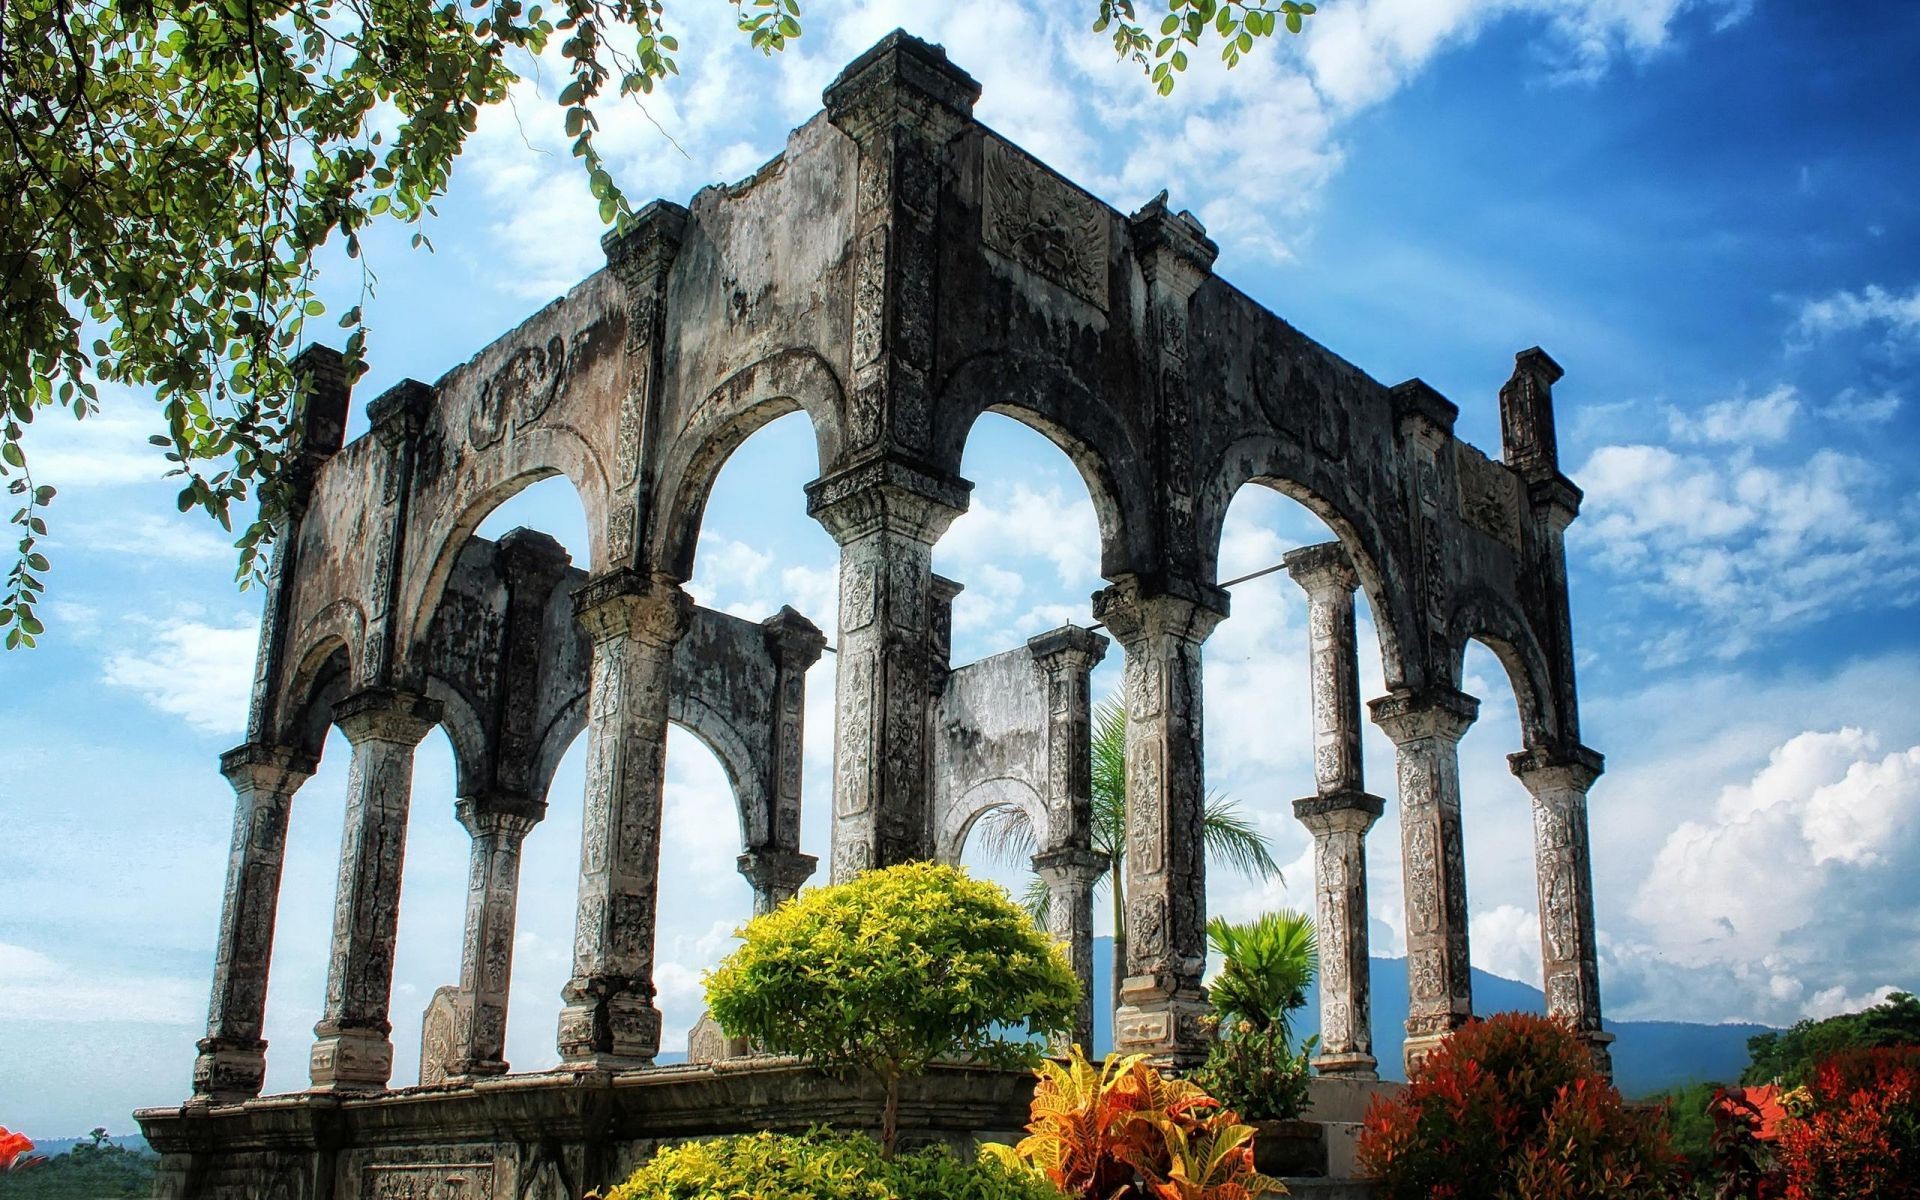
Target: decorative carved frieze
[(1043, 223)]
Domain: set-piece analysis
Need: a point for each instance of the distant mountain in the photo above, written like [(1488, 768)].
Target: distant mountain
[(1648, 1056)]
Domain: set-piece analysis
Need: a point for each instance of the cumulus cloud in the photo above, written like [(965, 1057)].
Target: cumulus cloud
[(1790, 879), (187, 668), (1761, 419), (1249, 150), (1744, 546), (1890, 313), (1854, 406)]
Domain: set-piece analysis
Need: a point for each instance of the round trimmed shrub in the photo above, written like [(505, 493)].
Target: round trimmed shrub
[(1512, 1108), (895, 969), (820, 1166)]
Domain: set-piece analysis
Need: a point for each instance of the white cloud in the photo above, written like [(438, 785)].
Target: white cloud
[(200, 673), (1505, 941), (108, 449), (1855, 407), (1746, 547), (1794, 869), (1833, 1001), (1872, 307), (1761, 419)]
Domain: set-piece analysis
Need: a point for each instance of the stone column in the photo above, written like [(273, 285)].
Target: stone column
[(1161, 1000), (886, 517), (1569, 953), (1339, 813), (609, 1021), (1426, 727), (233, 1057), (776, 876), (1068, 863), (1070, 874), (498, 824), (353, 1049)]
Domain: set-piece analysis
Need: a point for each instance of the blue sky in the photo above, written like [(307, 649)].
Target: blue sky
[(1707, 210)]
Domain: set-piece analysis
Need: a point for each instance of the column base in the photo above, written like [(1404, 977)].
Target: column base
[(608, 1033), (229, 1071), (1350, 1065), (1597, 1042), (1418, 1048), (467, 1072), (1169, 1027), (350, 1060)]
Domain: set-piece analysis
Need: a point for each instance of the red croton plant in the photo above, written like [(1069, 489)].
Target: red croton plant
[(13, 1151)]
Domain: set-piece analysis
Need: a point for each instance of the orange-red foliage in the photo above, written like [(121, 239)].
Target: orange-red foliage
[(1512, 1107), (1859, 1137)]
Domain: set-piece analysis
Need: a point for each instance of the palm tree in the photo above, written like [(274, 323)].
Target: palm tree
[(1267, 964), (1225, 832)]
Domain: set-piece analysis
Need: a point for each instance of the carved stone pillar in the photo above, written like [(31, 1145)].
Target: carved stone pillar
[(776, 876), (1339, 813), (498, 824), (233, 1057), (1070, 874), (1161, 1000), (353, 1049), (609, 1020), (886, 517), (796, 644), (1569, 952), (1426, 728)]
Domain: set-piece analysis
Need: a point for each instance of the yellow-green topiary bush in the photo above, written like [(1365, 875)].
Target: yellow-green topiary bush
[(820, 1166), (893, 970)]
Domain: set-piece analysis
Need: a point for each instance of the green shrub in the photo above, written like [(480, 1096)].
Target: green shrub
[(895, 969), (1256, 1073), (821, 1166)]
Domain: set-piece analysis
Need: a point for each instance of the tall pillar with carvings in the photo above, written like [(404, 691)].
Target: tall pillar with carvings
[(1426, 727), (353, 1047), (635, 619), (1339, 813), (1569, 951), (1067, 863), (498, 825), (776, 869), (886, 517), (1162, 630), (232, 1063)]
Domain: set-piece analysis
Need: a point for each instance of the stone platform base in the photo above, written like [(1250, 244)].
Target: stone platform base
[(540, 1137), (559, 1135)]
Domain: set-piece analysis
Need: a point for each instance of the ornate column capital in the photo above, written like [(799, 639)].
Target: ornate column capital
[(795, 642), (1322, 569), (887, 493), (647, 607), (1409, 714), (400, 413), (494, 813), (1339, 812), (1070, 865), (1135, 608), (1423, 411), (386, 715), (1175, 251), (644, 246), (1545, 770), (263, 767), (901, 81), (772, 871), (1067, 649)]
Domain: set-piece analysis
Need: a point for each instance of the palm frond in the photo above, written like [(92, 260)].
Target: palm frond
[(1232, 837), (1005, 835), (1110, 776), (1037, 900)]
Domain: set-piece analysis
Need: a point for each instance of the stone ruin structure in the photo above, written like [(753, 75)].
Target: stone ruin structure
[(897, 271)]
